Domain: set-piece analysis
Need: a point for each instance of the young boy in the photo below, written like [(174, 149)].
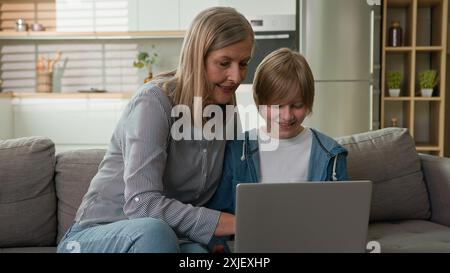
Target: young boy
[(283, 79)]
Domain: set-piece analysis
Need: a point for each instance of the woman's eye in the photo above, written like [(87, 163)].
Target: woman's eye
[(243, 65), (224, 64), (298, 105)]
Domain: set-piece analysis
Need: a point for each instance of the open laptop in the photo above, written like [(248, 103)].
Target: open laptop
[(302, 217)]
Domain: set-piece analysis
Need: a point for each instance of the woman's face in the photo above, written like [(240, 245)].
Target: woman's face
[(226, 68)]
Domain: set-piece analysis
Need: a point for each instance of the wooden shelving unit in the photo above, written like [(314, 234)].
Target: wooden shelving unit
[(424, 25)]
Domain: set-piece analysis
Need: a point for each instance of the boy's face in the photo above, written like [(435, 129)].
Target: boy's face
[(287, 119)]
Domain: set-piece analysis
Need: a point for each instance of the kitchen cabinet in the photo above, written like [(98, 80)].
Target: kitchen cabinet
[(71, 123), (6, 117), (424, 25), (261, 7), (190, 8), (158, 15)]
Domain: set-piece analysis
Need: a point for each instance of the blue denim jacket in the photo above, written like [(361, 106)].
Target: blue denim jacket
[(241, 165), (328, 161)]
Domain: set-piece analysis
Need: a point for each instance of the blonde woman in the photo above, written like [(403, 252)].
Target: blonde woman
[(149, 192)]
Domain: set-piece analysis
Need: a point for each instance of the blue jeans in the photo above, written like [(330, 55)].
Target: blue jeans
[(142, 235)]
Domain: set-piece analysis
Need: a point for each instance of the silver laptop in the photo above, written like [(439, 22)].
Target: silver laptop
[(302, 217)]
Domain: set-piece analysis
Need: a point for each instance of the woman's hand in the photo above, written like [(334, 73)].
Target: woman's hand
[(225, 225), (218, 249)]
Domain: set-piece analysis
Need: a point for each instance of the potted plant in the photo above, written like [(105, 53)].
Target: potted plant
[(146, 60), (394, 79), (428, 79)]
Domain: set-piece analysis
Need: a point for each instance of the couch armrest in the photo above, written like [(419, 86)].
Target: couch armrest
[(436, 172)]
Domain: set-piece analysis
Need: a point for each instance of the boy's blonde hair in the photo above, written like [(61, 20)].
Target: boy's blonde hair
[(283, 76), (211, 29)]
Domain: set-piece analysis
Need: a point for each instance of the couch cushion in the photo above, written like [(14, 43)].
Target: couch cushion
[(410, 236), (27, 192), (388, 157), (51, 249), (74, 172)]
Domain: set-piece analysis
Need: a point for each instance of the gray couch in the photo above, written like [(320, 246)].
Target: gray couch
[(410, 212)]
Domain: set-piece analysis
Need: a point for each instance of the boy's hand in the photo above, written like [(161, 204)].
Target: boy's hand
[(225, 225)]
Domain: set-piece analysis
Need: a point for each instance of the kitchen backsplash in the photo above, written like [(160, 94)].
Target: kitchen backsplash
[(100, 64)]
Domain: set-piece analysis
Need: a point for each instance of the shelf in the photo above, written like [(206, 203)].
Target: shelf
[(398, 110), (401, 11), (6, 95), (426, 122), (397, 98), (429, 48), (428, 3), (399, 61), (68, 95), (398, 49), (399, 3), (427, 99), (427, 147), (415, 98), (53, 35)]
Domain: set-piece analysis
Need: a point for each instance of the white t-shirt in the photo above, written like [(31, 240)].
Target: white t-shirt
[(289, 162)]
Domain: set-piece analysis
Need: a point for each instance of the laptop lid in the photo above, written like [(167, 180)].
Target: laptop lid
[(302, 217)]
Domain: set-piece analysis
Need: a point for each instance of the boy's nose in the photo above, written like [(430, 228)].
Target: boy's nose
[(285, 113)]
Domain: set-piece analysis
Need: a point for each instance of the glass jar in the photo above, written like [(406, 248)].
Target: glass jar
[(21, 25), (395, 34)]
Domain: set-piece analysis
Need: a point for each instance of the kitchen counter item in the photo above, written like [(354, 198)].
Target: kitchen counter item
[(21, 25), (92, 90), (44, 82), (37, 27)]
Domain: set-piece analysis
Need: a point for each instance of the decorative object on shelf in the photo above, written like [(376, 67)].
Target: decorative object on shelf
[(21, 25), (144, 59), (394, 79), (395, 34), (428, 79), (44, 69), (92, 90), (37, 27), (393, 122), (44, 82)]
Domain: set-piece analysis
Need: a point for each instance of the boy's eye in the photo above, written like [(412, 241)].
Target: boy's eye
[(243, 64), (224, 64), (298, 105)]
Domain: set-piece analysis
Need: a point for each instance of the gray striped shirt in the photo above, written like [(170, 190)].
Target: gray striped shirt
[(145, 173)]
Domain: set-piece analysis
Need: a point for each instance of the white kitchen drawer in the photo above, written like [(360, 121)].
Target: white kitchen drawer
[(6, 118), (80, 122)]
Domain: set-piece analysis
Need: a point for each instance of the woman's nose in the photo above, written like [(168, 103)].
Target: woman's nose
[(234, 74)]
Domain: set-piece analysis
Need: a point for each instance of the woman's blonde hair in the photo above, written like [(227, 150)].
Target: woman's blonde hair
[(211, 29), (283, 76)]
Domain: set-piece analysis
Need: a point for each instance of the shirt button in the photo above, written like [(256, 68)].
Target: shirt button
[(204, 150), (136, 199)]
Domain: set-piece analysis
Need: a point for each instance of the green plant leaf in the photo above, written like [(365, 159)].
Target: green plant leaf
[(428, 79), (393, 79)]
